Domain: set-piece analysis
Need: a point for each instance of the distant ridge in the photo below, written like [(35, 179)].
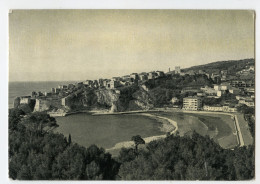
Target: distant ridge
[(223, 65)]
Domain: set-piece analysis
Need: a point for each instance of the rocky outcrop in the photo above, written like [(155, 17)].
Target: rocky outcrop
[(129, 98)]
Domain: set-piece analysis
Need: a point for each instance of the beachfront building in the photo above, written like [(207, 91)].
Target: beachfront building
[(213, 108), (192, 103), (219, 108)]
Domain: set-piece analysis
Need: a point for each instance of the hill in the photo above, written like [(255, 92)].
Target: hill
[(232, 66)]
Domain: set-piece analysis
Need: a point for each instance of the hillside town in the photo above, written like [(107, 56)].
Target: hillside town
[(231, 89)]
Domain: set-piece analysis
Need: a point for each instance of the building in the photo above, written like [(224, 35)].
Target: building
[(220, 93), (192, 103), (143, 77), (159, 73), (225, 86), (174, 100), (191, 72), (151, 75), (247, 102), (213, 108), (177, 69), (209, 90), (62, 86), (47, 93), (88, 82), (219, 108), (134, 76), (25, 99), (41, 105), (217, 87), (70, 86), (57, 90), (242, 84), (113, 84), (234, 91), (65, 101)]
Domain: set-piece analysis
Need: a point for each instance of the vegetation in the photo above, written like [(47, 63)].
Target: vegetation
[(232, 66), (249, 113), (37, 154), (187, 158), (137, 140)]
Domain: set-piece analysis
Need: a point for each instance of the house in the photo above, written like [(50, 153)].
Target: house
[(192, 103)]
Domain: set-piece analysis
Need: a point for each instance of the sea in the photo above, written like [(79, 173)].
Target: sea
[(17, 89)]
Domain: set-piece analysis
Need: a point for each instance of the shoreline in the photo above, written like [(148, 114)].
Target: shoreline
[(128, 144)]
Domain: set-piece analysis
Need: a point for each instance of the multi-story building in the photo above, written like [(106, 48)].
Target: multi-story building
[(192, 103), (242, 84)]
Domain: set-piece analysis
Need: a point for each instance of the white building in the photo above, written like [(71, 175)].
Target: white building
[(192, 103), (25, 99)]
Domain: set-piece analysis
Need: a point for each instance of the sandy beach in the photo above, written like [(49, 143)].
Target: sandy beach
[(172, 129)]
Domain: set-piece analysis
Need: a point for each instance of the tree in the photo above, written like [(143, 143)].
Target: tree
[(137, 140), (69, 140)]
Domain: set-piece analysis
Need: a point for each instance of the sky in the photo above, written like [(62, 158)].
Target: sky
[(61, 45)]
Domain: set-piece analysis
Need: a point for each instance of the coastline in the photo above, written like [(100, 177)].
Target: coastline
[(128, 144)]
